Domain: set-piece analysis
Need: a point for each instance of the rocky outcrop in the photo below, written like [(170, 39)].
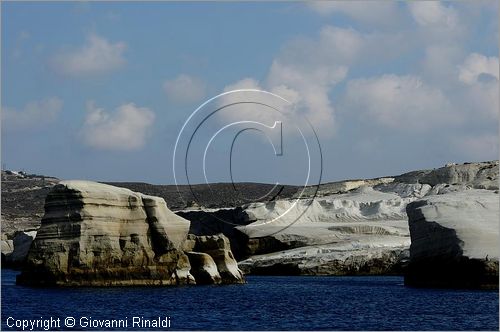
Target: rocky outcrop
[(357, 233), (14, 251), (340, 187), (211, 259), (219, 248), (182, 272), (364, 218), (482, 175), (217, 221), (323, 260), (349, 227), (94, 234), (204, 268), (7, 249), (454, 240), (346, 227)]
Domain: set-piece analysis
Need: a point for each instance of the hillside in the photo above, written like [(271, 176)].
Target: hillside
[(23, 195)]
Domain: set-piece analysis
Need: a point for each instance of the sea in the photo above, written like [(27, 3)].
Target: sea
[(263, 303)]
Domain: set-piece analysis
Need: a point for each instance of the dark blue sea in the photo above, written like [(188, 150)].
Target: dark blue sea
[(264, 303)]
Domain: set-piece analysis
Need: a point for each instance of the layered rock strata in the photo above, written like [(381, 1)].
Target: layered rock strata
[(350, 227), (219, 249), (362, 232), (347, 227), (94, 234)]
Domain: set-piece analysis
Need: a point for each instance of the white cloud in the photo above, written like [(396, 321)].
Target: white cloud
[(244, 112), (477, 64), (310, 85), (249, 112), (433, 14), (305, 71), (313, 67), (96, 56), (125, 129), (333, 46), (309, 68), (34, 114), (400, 102), (480, 75), (371, 12), (481, 99), (442, 30), (262, 107), (440, 62), (185, 89)]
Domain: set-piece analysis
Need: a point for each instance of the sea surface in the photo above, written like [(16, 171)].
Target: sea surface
[(264, 303)]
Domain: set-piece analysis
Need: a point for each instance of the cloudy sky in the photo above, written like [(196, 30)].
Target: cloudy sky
[(101, 91)]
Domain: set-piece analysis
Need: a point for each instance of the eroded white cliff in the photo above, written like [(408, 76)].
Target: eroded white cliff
[(365, 230), (454, 240), (94, 234)]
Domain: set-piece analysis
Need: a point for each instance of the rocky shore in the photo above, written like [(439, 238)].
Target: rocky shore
[(365, 227), (437, 227)]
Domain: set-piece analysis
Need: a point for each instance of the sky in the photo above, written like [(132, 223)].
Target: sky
[(104, 91)]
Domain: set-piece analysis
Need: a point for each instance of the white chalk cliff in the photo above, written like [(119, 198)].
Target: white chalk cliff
[(361, 227), (454, 240), (446, 218), (94, 234), (364, 231)]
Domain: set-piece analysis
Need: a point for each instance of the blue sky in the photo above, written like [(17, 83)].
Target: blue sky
[(100, 91)]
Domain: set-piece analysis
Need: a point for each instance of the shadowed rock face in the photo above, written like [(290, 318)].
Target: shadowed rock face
[(454, 240), (219, 248), (212, 222), (204, 268), (98, 235), (14, 251)]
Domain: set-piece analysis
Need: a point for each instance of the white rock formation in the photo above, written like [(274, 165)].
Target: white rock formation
[(481, 175), (94, 234), (204, 268), (218, 247), (348, 227), (169, 235), (7, 249), (14, 251), (472, 214), (454, 240), (364, 230)]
